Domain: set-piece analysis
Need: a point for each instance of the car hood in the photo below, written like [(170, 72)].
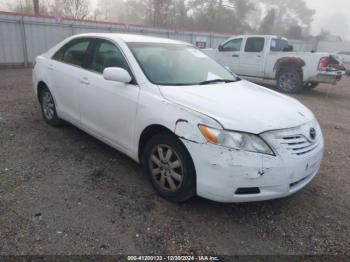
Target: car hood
[(241, 106)]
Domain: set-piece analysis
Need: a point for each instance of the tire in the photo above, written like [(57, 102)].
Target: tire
[(48, 108), (310, 85), (289, 80), (171, 173)]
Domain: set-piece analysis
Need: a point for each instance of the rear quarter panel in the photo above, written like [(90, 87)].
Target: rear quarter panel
[(309, 70), (40, 74)]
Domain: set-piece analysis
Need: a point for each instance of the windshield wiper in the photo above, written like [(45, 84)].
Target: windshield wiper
[(218, 81)]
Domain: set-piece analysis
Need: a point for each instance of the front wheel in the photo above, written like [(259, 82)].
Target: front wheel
[(289, 80), (170, 168)]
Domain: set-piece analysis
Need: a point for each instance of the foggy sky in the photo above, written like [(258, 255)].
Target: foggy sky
[(332, 15)]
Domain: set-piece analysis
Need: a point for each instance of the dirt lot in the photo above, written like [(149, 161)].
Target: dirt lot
[(64, 192)]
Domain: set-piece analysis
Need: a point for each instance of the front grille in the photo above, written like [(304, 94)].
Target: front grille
[(297, 141), (298, 144)]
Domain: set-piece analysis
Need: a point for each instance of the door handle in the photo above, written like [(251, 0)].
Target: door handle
[(235, 55), (259, 56), (85, 81), (50, 67)]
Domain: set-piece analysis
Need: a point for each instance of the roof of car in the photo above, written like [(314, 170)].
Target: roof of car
[(133, 38)]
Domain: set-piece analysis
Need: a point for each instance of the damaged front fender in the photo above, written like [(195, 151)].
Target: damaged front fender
[(189, 131)]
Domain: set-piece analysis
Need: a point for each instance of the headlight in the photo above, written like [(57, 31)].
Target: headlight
[(235, 140)]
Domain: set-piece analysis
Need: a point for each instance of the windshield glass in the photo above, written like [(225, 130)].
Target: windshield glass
[(279, 45), (174, 64)]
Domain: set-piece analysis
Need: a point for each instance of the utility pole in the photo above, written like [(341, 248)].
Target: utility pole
[(36, 7)]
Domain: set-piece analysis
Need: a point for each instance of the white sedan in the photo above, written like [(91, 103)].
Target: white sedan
[(196, 127)]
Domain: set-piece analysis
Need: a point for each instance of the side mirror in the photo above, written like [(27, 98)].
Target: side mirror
[(117, 74), (220, 48)]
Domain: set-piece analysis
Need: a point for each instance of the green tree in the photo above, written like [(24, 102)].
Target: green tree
[(221, 15), (294, 32), (289, 13)]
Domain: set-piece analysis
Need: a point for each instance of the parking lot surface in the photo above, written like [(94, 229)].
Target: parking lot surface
[(64, 192)]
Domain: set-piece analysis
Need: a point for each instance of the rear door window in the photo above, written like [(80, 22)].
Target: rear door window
[(279, 45), (74, 52), (254, 45)]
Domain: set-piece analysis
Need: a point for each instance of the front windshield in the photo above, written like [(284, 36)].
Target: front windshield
[(174, 64)]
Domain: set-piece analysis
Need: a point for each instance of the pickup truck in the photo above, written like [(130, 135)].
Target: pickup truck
[(267, 57)]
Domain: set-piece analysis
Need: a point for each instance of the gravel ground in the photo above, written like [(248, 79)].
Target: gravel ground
[(64, 192)]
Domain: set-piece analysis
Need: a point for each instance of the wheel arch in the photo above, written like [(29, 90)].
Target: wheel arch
[(40, 86), (147, 134), (154, 129), (289, 62)]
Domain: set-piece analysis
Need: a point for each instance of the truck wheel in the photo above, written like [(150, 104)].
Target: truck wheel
[(310, 85), (289, 80)]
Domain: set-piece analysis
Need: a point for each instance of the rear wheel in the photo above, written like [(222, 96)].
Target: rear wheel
[(169, 167), (289, 80), (48, 107)]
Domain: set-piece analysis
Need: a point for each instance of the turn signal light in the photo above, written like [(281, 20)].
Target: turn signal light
[(208, 135)]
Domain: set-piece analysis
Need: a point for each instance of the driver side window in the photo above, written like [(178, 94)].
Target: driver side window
[(73, 53), (233, 46), (106, 54)]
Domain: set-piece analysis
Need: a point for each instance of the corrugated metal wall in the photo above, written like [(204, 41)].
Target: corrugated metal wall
[(333, 46), (23, 37), (303, 46)]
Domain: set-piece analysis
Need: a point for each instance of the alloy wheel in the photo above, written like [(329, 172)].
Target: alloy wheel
[(166, 168), (48, 105)]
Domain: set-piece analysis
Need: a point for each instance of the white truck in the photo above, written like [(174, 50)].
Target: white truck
[(272, 57)]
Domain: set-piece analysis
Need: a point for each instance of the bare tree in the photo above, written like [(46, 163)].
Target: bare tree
[(22, 6), (28, 6), (77, 9), (36, 7)]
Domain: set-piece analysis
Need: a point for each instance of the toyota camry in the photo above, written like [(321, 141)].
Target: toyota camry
[(194, 126)]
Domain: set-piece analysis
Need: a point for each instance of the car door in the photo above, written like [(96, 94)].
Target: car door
[(230, 54), (253, 57), (65, 69), (108, 108)]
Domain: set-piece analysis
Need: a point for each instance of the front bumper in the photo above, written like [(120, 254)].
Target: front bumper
[(226, 175)]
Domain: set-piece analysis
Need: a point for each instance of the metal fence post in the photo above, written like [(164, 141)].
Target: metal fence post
[(24, 42)]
